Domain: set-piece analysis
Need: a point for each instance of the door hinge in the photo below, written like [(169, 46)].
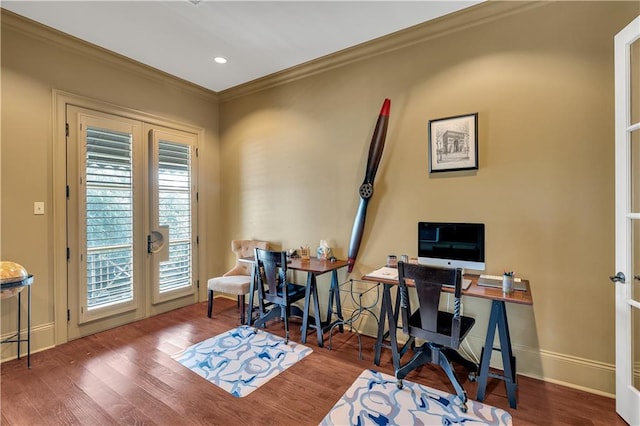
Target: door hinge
[(68, 315), (66, 129), (197, 283), (68, 253), (197, 153), (67, 192), (197, 196), (197, 239)]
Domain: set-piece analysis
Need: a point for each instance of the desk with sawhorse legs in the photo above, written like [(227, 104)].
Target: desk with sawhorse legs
[(497, 322), (313, 267)]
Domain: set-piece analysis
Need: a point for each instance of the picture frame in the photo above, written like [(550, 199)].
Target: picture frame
[(453, 143)]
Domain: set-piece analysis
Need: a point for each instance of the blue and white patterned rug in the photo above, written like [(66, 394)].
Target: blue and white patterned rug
[(374, 399), (241, 360)]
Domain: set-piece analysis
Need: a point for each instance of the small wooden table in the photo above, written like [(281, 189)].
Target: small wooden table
[(497, 322), (313, 267)]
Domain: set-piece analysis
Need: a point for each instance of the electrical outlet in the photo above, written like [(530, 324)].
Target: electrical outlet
[(38, 207)]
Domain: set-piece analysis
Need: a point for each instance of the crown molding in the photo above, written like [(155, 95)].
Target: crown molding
[(59, 39), (449, 24)]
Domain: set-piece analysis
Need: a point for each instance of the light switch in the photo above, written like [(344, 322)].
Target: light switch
[(38, 207)]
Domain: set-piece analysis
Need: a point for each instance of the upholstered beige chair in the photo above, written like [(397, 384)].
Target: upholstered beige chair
[(236, 281)]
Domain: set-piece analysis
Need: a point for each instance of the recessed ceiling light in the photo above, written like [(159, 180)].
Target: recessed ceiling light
[(220, 60)]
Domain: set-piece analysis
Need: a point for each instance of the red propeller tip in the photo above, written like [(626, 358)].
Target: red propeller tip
[(386, 107), (350, 262)]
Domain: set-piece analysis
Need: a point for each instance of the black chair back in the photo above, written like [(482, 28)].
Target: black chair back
[(442, 330), (272, 275), (428, 282), (273, 287)]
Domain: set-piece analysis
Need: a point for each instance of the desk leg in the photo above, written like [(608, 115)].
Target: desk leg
[(334, 294), (386, 297), (387, 316), (311, 292), (393, 330), (498, 320), (316, 310), (305, 312)]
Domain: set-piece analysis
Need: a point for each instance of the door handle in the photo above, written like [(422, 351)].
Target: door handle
[(158, 243), (618, 278)]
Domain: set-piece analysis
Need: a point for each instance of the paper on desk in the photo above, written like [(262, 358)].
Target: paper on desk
[(385, 273)]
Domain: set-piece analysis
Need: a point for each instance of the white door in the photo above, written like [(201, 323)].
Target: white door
[(131, 220), (172, 240), (627, 278)]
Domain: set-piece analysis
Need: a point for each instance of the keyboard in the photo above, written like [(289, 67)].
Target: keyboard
[(496, 282), (465, 284), (497, 277)]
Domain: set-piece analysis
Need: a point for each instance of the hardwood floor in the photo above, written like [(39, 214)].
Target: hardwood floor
[(127, 376)]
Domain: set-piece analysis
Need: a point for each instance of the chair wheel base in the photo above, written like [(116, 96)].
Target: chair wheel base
[(462, 403), (399, 384), (472, 377)]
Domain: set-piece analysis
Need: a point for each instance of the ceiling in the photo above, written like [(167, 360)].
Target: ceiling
[(257, 38)]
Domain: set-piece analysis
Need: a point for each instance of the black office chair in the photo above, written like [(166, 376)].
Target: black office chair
[(443, 331), (274, 289)]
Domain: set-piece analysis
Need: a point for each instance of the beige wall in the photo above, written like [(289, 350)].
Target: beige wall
[(541, 80), (35, 62), (293, 149)]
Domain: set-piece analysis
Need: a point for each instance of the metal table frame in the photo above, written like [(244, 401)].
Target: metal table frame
[(17, 338)]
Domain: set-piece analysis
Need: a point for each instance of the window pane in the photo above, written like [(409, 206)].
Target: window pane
[(109, 217), (174, 210)]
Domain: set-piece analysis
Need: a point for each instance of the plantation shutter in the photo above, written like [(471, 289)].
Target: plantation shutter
[(174, 211), (109, 217)]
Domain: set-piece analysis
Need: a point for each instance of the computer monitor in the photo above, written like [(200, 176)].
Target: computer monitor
[(453, 245)]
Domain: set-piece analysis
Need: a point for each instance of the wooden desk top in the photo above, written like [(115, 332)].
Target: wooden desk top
[(314, 265), (474, 290)]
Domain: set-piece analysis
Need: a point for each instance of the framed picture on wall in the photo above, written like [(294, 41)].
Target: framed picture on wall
[(453, 143)]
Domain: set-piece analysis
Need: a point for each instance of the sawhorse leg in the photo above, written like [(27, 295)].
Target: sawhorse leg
[(334, 294), (387, 315), (498, 320), (311, 292)]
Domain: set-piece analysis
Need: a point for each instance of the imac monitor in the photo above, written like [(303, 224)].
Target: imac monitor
[(453, 245)]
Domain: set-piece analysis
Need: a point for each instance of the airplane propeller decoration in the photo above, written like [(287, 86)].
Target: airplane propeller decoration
[(366, 189)]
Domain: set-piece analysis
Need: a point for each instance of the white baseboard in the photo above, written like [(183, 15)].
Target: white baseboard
[(42, 338), (574, 372)]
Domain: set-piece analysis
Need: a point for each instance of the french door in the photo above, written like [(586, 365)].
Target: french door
[(131, 220), (627, 278)]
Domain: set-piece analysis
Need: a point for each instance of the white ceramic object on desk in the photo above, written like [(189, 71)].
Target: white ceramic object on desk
[(324, 253)]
